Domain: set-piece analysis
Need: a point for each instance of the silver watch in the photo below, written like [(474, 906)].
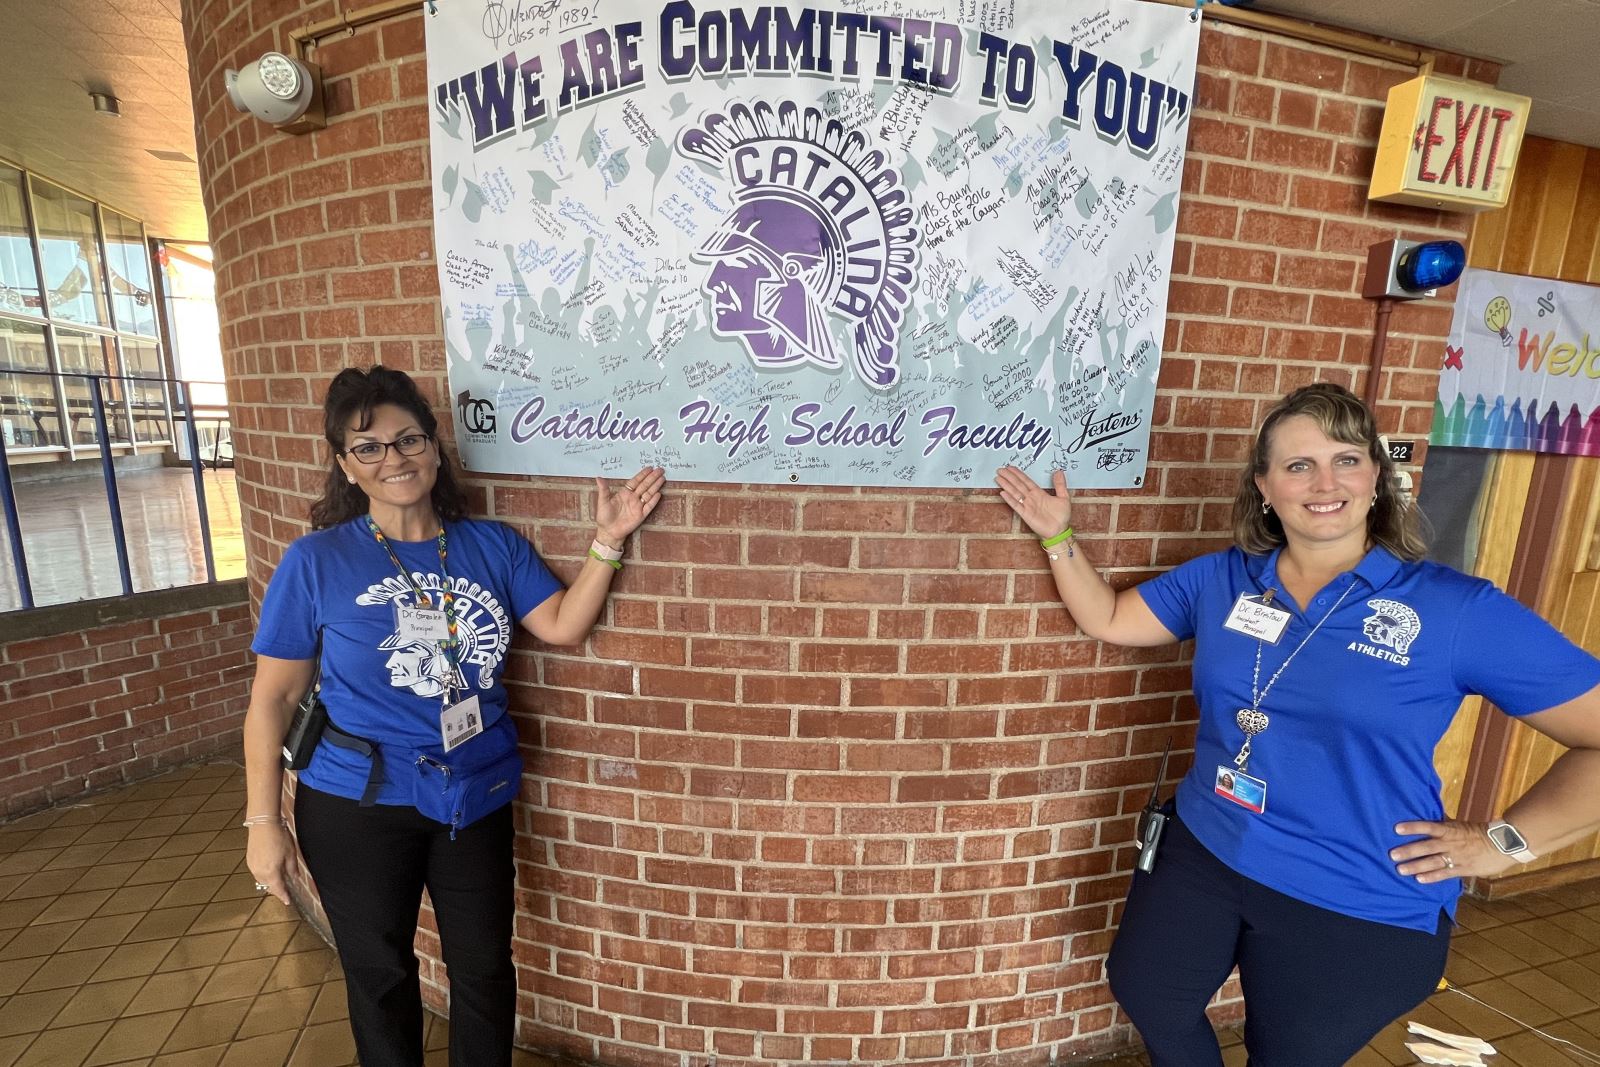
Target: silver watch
[(1509, 841)]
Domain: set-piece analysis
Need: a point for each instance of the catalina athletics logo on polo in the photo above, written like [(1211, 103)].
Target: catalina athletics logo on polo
[(1393, 625), (482, 626), (821, 225)]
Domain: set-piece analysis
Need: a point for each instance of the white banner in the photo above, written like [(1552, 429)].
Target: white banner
[(777, 243), (1522, 366)]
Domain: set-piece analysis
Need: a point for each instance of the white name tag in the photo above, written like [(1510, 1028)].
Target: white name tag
[(460, 722), (421, 624), (1251, 617)]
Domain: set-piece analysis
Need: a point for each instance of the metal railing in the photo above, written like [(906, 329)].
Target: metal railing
[(178, 407)]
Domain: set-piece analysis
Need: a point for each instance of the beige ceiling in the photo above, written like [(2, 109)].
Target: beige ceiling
[(54, 52)]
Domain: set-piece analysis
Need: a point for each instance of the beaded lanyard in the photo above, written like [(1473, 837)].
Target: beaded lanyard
[(451, 644), (1253, 720)]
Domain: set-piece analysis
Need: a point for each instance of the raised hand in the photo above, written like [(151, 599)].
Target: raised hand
[(619, 512), (1046, 514)]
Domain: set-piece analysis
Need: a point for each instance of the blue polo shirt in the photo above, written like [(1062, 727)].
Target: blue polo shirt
[(376, 685), (1355, 717)]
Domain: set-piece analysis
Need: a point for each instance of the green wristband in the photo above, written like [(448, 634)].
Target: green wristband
[(614, 564), (1064, 535)]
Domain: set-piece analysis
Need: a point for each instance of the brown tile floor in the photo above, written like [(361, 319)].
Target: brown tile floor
[(66, 533), (131, 934)]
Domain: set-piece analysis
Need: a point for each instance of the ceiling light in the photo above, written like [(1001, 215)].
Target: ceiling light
[(106, 104)]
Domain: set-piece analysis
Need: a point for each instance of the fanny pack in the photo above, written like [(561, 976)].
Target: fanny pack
[(456, 792)]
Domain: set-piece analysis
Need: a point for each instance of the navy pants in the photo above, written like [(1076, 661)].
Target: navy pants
[(1317, 984), (370, 865)]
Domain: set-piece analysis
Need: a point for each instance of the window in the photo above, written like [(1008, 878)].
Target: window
[(28, 415), (128, 268), (69, 245), (18, 275)]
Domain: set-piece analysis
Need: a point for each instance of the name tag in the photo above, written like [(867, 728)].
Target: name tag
[(1251, 617), (1245, 791), (460, 722), (421, 624)]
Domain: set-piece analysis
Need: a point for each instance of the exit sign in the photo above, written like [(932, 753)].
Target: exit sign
[(1448, 144)]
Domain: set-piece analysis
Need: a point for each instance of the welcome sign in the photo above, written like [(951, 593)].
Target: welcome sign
[(1521, 366), (787, 243)]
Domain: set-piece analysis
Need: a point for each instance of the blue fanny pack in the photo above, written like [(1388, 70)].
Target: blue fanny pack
[(455, 791)]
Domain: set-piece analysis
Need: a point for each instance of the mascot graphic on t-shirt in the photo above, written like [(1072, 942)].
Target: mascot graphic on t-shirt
[(1391, 623), (482, 628)]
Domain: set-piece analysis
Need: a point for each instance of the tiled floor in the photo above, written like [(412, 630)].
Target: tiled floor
[(131, 934), (66, 533)]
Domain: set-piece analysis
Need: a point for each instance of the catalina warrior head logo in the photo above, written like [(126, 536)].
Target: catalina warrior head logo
[(483, 630), (1391, 623), (821, 226)]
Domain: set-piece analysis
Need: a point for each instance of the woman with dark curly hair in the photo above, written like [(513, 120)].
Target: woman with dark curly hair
[(402, 607), (1308, 845)]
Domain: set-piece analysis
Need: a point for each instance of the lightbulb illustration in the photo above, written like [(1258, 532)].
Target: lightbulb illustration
[(1497, 316)]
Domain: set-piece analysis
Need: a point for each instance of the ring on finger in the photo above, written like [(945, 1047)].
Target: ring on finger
[(261, 887), (1449, 864)]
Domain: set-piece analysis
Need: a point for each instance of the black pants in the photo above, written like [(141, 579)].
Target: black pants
[(1317, 984), (370, 865)]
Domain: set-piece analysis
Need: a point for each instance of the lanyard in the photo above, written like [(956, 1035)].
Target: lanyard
[(1253, 720), (450, 645)]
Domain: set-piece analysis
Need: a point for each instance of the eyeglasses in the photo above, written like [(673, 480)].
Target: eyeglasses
[(412, 444)]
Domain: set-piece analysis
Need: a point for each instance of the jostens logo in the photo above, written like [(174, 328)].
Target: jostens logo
[(821, 225), (1392, 624)]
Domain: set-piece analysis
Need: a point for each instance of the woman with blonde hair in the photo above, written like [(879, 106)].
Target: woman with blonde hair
[(1308, 845)]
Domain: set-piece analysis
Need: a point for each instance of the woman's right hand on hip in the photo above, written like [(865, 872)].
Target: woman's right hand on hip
[(1046, 514)]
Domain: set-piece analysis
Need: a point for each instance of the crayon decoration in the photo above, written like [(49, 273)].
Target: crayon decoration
[(1447, 427), (1476, 434), (1517, 427), (1497, 429), (1571, 431), (1589, 440), (1549, 433)]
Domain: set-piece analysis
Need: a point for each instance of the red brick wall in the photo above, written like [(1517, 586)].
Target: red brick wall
[(98, 706), (835, 779)]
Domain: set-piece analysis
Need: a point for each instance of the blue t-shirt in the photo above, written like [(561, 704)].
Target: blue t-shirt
[(375, 684), (1355, 717)]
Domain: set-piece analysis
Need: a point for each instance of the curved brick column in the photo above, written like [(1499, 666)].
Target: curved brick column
[(834, 780)]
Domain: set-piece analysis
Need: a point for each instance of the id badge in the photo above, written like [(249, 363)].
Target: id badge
[(420, 624), (1253, 617), (1243, 790), (460, 722)]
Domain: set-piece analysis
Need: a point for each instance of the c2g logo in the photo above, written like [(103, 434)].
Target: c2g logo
[(477, 414)]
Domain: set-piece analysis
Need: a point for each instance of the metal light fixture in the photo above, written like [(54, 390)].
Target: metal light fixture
[(1411, 270), (1398, 269), (279, 89), (106, 104)]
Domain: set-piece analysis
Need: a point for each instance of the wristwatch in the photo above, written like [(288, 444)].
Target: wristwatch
[(1509, 841)]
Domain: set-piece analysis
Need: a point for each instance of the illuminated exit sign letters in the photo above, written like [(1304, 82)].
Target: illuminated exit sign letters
[(1448, 144)]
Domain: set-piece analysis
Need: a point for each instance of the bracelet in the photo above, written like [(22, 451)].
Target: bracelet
[(614, 564), (604, 551), (263, 820), (1057, 539)]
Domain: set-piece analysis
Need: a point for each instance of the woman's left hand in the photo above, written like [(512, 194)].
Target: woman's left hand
[(620, 512), (1447, 850)]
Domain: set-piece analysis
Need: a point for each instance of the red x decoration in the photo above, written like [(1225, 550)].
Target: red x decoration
[(1452, 357)]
